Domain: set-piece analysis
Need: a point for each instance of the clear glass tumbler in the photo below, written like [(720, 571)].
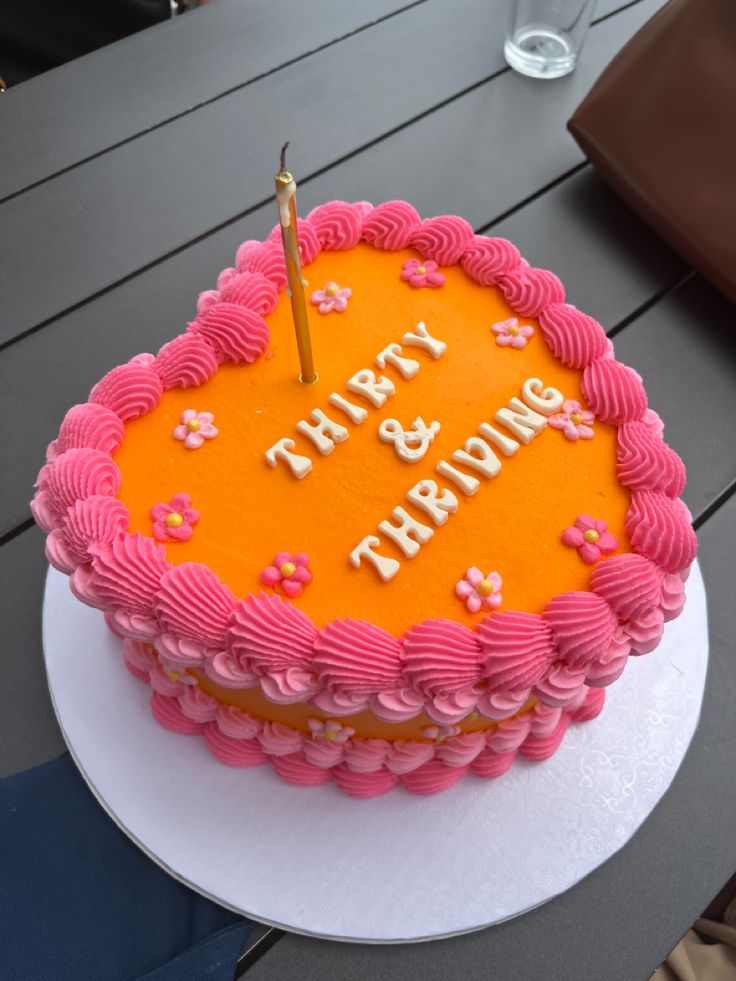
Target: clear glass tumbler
[(545, 36)]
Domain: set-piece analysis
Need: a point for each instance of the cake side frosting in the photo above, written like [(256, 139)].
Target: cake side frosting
[(577, 644)]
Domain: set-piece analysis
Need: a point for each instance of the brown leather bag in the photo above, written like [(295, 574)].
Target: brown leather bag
[(659, 126)]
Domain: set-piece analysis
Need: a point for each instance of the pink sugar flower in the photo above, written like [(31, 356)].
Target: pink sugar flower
[(422, 272), (288, 571), (438, 733), (574, 421), (509, 334), (332, 297), (330, 730), (174, 672), (174, 522), (195, 428), (590, 537), (479, 591)]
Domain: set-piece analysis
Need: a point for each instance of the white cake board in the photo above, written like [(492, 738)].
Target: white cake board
[(394, 868)]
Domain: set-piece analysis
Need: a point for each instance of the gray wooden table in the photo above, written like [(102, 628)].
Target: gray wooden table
[(127, 180)]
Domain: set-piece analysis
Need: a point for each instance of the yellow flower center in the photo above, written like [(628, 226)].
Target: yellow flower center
[(473, 717), (173, 675), (331, 290), (576, 418), (330, 735), (591, 535), (287, 569), (484, 588), (422, 270), (193, 425), (513, 330), (174, 520)]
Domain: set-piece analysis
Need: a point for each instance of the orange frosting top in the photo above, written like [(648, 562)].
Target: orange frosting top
[(249, 511)]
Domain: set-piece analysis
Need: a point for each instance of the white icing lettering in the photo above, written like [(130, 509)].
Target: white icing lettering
[(478, 456), (384, 566), (407, 367), (467, 484), (544, 400), (325, 434), (281, 450), (355, 413), (410, 533), (424, 340), (522, 421), (412, 445), (505, 444), (375, 390), (424, 496)]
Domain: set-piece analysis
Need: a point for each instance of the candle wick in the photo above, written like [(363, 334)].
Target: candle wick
[(283, 156)]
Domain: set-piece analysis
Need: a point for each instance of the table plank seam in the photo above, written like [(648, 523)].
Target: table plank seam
[(715, 505), (221, 95), (305, 180), (651, 302)]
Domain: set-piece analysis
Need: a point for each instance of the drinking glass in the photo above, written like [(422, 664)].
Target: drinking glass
[(544, 37)]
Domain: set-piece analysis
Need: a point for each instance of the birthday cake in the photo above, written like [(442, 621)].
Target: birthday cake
[(426, 564)]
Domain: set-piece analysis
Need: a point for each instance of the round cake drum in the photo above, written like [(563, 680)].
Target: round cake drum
[(394, 868)]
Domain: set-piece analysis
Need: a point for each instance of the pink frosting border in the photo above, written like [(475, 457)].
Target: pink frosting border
[(359, 767), (581, 639)]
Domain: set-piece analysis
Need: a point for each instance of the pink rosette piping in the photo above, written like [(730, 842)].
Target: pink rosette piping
[(629, 583), (501, 704), (530, 290), (489, 765), (405, 755), (646, 462), (192, 602), (89, 426), (182, 651), (277, 739), (488, 260), (340, 703), (339, 225), (167, 712), (397, 705), (661, 529), (391, 225), (289, 686), (197, 705), (582, 625), (162, 683), (309, 243), (139, 659), (443, 239), (537, 748), (365, 755), (573, 337), (614, 392), (229, 672), (433, 777), (127, 623), (127, 572), (296, 770), (355, 657), (610, 665), (76, 475), (645, 632), (95, 520), (461, 750), (517, 649), (237, 724), (44, 513), (130, 390), (273, 638), (441, 662), (186, 362), (263, 257), (562, 686), (363, 785), (58, 553), (252, 290), (507, 736), (233, 752), (673, 597), (592, 706), (235, 333), (543, 720), (318, 752), (206, 299)]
